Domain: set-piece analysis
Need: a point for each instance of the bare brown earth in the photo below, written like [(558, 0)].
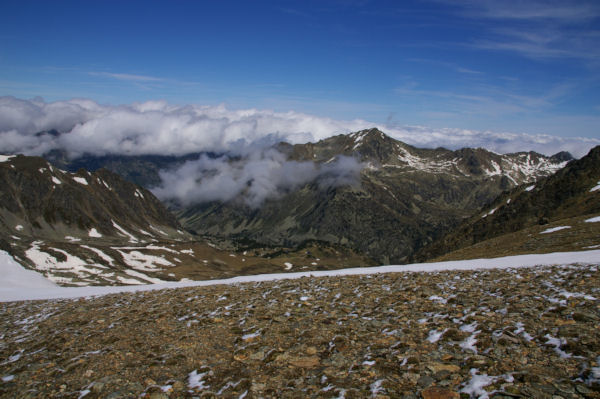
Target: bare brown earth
[(502, 333)]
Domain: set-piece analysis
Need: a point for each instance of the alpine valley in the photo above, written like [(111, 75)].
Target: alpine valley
[(94, 219)]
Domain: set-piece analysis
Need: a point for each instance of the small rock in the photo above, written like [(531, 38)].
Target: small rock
[(437, 367), (311, 350), (584, 316), (439, 393), (178, 386), (305, 362), (257, 387), (425, 381), (158, 395), (97, 387)]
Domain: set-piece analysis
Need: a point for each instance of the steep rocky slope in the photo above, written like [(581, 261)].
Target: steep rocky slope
[(42, 199), (573, 192), (512, 333), (62, 223), (96, 228)]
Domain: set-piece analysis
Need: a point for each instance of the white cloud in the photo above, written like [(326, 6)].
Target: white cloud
[(256, 176), (500, 142), (161, 128), (247, 167), (127, 76)]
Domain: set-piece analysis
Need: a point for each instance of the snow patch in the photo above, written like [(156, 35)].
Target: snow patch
[(553, 229), (438, 299), (377, 388), (94, 233), (158, 230), (530, 188), (101, 254), (196, 380), (593, 220), (80, 180), (521, 330), (31, 291), (143, 262), (469, 342), (288, 265), (55, 180), (474, 387), (557, 343), (145, 278), (132, 238), (596, 188), (72, 263), (435, 335), (4, 158), (251, 336)]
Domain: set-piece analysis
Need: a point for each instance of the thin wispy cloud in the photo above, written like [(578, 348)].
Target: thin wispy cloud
[(127, 77), (487, 100), (565, 12), (544, 29), (448, 65), (468, 71)]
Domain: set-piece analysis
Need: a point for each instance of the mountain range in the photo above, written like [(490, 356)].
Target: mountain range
[(404, 199), (92, 226), (552, 214)]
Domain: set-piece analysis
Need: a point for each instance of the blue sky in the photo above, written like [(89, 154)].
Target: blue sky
[(509, 66)]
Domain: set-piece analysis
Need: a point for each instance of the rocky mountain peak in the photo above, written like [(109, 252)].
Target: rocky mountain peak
[(562, 156), (570, 192)]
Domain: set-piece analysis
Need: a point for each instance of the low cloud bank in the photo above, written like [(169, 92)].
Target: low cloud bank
[(254, 177), (251, 168), (157, 127)]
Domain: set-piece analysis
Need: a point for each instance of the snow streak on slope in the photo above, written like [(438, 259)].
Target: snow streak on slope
[(20, 284)]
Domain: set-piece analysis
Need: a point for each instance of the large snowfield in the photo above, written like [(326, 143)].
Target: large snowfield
[(18, 283)]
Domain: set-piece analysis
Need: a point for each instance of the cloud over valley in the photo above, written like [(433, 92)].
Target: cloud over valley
[(254, 177), (243, 161)]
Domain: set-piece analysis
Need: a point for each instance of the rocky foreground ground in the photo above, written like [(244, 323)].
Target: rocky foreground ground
[(499, 333)]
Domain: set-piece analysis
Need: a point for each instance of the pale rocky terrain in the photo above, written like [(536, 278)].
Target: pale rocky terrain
[(528, 332)]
